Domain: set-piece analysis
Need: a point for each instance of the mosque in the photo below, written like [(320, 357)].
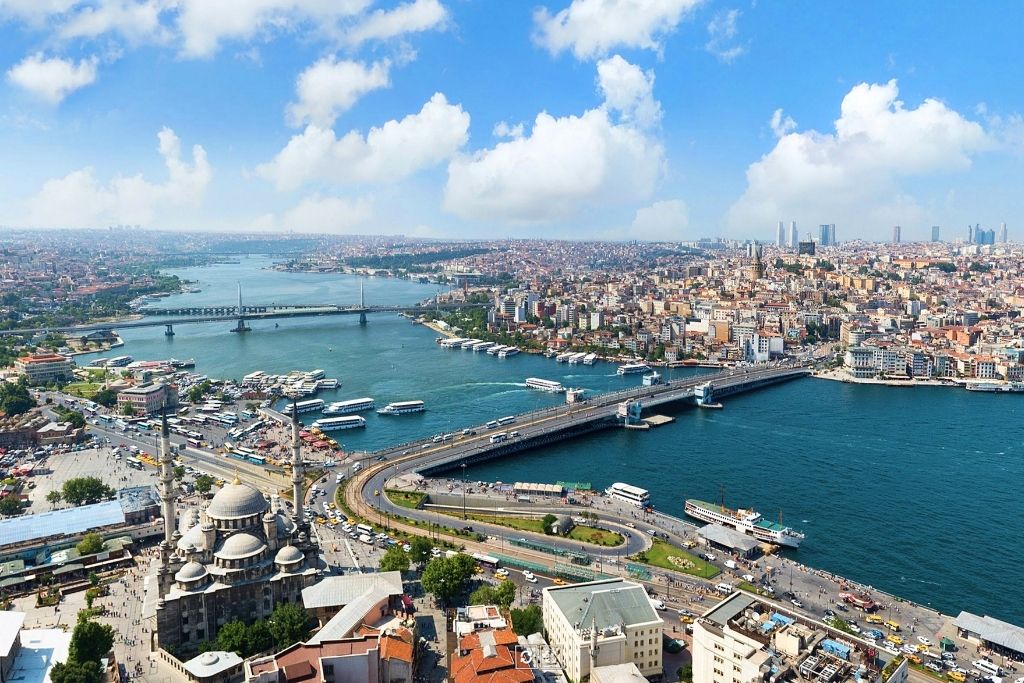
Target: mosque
[(239, 558)]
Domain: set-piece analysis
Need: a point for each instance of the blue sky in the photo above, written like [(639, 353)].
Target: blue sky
[(646, 119)]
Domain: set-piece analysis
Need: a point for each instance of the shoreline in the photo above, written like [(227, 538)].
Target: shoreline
[(840, 376)]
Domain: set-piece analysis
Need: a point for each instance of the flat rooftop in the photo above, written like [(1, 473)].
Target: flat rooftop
[(41, 648), (60, 522)]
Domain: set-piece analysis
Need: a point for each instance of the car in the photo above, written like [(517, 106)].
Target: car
[(652, 532), (829, 613), (924, 641), (502, 573), (796, 602), (560, 582), (934, 667), (631, 525), (529, 576), (853, 627), (749, 578), (709, 557)]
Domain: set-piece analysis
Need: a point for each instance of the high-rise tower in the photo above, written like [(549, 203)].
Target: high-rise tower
[(1002, 238), (780, 235), (794, 237), (896, 234), (935, 233)]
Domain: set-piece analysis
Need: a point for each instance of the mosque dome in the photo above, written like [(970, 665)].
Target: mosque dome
[(190, 571), (235, 501), (240, 546), (289, 554)]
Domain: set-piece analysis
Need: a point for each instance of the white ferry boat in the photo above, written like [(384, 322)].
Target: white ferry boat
[(748, 521), (508, 351), (993, 387), (482, 346), (304, 406), (471, 344), (575, 358), (402, 407), (544, 385), (333, 424), (452, 343), (632, 368), (327, 384), (316, 374), (493, 351), (352, 406), (634, 495), (562, 357), (589, 358)]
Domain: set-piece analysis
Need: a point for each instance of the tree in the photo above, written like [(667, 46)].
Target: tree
[(76, 419), (204, 483), (505, 593), (548, 522), (528, 620), (90, 641), (90, 544), (128, 410), (179, 472), (289, 624), (233, 637), (14, 398), (445, 577), (75, 672), (54, 497), (10, 505), (395, 560), (85, 490), (685, 673), (106, 398), (259, 638), (420, 551)]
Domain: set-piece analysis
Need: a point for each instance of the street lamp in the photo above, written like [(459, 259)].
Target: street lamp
[(463, 491)]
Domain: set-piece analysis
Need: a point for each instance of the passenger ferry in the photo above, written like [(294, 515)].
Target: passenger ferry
[(589, 358), (634, 495), (576, 358), (482, 346), (327, 384), (562, 357), (651, 380), (748, 521), (545, 385), (402, 407), (309, 406), (632, 368), (508, 351), (353, 406), (493, 351), (1008, 388), (332, 424)]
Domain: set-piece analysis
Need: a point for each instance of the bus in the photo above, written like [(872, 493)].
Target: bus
[(257, 459), (194, 443), (486, 560), (105, 418), (506, 420), (499, 437), (634, 495), (364, 529), (133, 462)]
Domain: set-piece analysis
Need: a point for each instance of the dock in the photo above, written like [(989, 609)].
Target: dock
[(658, 420)]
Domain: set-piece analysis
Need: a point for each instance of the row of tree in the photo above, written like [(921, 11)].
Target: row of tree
[(287, 625), (90, 642)]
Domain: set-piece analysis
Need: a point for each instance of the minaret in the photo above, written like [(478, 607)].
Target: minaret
[(166, 479), (296, 467)]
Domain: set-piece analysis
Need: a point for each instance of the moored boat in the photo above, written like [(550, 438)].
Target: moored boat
[(748, 521)]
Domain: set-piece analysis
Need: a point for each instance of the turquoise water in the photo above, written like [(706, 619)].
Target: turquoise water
[(915, 491)]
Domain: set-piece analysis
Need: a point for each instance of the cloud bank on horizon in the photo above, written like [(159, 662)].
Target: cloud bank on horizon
[(631, 119)]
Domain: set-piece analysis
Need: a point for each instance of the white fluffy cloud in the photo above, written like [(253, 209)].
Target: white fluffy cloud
[(592, 28), (79, 199), (135, 20), (330, 87), (722, 32), (411, 17), (852, 175), (319, 214), (389, 153), (628, 90), (204, 24), (664, 220), (781, 124), (561, 165), (52, 79)]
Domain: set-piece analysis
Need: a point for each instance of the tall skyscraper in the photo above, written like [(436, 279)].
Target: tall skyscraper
[(780, 235), (831, 234), (794, 238), (895, 234), (970, 234), (823, 235), (935, 233), (1002, 234)]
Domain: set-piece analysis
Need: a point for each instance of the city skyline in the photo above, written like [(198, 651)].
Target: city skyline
[(440, 119)]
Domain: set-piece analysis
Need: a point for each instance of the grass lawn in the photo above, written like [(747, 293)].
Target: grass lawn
[(668, 556), (406, 499), (83, 389), (583, 534)]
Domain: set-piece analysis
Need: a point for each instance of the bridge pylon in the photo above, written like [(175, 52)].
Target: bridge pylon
[(169, 332), (362, 305), (241, 326)]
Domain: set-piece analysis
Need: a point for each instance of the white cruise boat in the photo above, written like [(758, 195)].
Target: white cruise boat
[(589, 358), (493, 351), (994, 387), (304, 406), (402, 407), (471, 344), (562, 357), (352, 406), (545, 385), (333, 424), (327, 384), (748, 521), (508, 351), (575, 358), (632, 368), (482, 346)]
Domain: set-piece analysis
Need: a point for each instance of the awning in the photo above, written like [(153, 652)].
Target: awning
[(946, 643), (74, 566)]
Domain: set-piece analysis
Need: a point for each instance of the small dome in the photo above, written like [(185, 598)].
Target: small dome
[(235, 501), (209, 658), (239, 546), (289, 554), (190, 571)]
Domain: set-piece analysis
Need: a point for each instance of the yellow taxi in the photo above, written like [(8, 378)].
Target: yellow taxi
[(914, 658), (874, 619), (560, 582), (895, 640), (956, 676), (893, 626)]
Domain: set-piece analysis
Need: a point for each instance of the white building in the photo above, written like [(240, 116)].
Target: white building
[(745, 639), (602, 623)]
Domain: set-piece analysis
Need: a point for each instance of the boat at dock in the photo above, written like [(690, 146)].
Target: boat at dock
[(545, 385), (187, 363), (562, 357), (575, 358), (333, 424), (327, 384), (996, 387), (402, 408), (748, 521), (632, 368), (351, 406), (508, 351), (493, 351), (304, 406), (589, 358)]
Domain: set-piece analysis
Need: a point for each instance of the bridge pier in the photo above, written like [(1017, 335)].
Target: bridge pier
[(169, 332), (362, 318), (241, 326)]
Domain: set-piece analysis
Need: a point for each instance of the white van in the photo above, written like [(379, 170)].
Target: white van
[(358, 466), (730, 564), (987, 667), (724, 588), (366, 538)]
